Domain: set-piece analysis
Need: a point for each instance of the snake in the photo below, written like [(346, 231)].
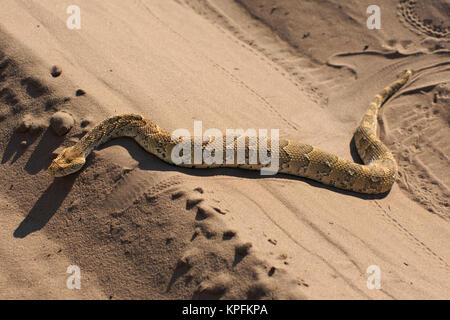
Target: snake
[(376, 175)]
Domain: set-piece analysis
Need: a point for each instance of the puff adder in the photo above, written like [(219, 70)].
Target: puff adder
[(375, 176)]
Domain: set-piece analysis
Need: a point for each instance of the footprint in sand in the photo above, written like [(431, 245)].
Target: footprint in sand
[(417, 17)]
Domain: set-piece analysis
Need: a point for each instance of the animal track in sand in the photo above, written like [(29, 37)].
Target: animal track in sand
[(10, 90), (411, 237), (22, 98), (285, 61), (233, 77), (408, 12), (213, 244), (420, 144), (196, 200), (132, 184)]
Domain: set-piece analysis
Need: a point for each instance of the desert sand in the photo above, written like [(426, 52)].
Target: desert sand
[(139, 228)]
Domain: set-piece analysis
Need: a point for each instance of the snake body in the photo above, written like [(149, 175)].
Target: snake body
[(375, 176)]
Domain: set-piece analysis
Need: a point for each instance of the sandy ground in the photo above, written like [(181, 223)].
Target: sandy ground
[(138, 228)]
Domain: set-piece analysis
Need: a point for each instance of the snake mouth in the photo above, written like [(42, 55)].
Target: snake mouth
[(54, 168), (55, 164)]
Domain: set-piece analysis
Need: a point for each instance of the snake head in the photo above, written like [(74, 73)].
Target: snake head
[(67, 162)]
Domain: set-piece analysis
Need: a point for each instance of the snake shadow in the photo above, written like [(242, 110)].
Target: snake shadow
[(46, 206), (150, 162), (52, 198)]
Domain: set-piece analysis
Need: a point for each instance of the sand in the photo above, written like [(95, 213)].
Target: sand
[(139, 228)]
